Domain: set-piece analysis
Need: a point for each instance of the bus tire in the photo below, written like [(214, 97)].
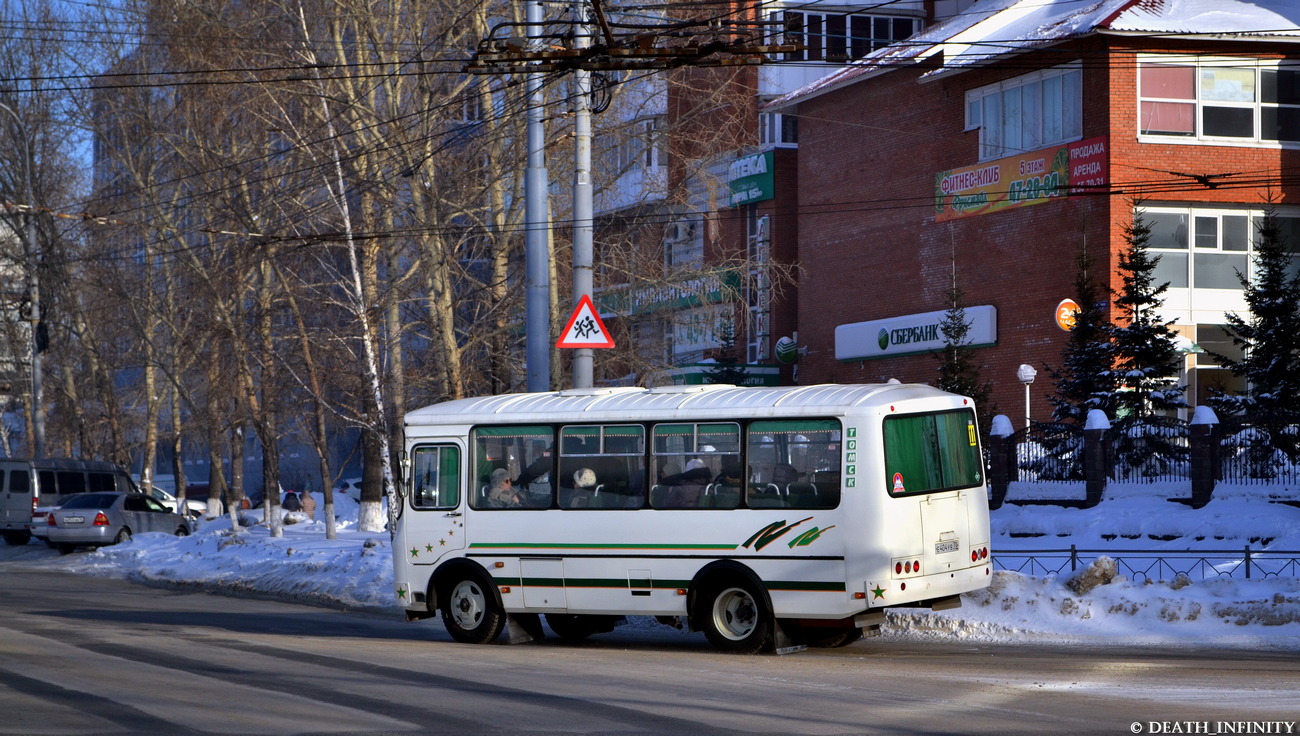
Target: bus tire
[(469, 606), (574, 627), (734, 615)]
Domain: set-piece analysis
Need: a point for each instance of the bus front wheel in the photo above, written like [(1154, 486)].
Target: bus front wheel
[(470, 610), (735, 617)]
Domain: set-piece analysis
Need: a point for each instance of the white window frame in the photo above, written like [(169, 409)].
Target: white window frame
[(1199, 102), (1195, 246), (819, 44), (777, 130), (637, 144), (981, 101)]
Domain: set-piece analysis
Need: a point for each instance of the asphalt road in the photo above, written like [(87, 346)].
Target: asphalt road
[(86, 655)]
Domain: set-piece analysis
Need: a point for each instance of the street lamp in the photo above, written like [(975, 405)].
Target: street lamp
[(1026, 374), (34, 286)]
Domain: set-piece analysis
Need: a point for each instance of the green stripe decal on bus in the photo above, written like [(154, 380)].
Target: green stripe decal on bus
[(550, 545), (813, 586)]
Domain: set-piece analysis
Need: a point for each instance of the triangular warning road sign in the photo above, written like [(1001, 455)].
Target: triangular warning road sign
[(585, 330)]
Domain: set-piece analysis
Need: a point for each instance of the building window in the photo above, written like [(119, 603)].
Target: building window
[(840, 37), (1027, 113), (775, 129), (638, 144), (1207, 376), (1206, 248), (1219, 100)]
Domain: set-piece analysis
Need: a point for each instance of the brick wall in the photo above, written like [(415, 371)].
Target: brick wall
[(870, 247)]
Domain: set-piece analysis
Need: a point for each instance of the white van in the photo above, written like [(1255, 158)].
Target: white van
[(29, 488)]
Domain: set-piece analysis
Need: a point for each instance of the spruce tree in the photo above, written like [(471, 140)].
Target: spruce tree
[(958, 371), (1146, 366), (1146, 357), (1270, 336), (729, 368), (1085, 381)]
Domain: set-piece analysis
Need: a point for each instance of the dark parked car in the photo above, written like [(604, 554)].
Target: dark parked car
[(110, 518)]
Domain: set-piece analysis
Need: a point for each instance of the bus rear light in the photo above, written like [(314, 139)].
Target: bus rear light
[(681, 591), (505, 590), (902, 586), (984, 553), (907, 567), (100, 519), (858, 596)]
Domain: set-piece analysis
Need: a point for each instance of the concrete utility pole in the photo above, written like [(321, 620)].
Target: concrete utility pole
[(32, 252), (583, 358), (667, 45), (537, 341)]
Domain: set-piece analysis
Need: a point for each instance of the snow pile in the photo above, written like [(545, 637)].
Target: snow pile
[(1101, 604)]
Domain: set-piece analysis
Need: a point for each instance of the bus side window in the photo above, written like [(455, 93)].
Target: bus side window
[(522, 450), (615, 456), (796, 463), (101, 482), (435, 477), (19, 481)]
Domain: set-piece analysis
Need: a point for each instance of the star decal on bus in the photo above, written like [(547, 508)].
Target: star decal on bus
[(878, 592), (415, 552)]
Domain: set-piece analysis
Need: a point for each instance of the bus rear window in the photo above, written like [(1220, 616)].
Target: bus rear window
[(932, 452)]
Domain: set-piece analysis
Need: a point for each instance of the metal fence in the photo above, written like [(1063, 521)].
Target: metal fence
[(1049, 452), (1147, 450), (1259, 452), (1155, 565)]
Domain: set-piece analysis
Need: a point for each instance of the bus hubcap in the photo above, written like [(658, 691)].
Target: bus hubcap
[(735, 614), (468, 606)]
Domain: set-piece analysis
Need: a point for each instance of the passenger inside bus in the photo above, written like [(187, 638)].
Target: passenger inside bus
[(501, 491), (687, 486)]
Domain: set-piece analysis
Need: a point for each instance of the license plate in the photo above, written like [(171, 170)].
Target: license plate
[(952, 545), (73, 519)]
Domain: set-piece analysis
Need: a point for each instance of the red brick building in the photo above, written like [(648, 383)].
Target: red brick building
[(989, 149)]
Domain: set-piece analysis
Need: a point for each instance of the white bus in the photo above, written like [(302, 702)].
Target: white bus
[(765, 517)]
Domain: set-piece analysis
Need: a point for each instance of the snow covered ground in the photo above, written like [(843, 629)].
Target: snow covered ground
[(1149, 539)]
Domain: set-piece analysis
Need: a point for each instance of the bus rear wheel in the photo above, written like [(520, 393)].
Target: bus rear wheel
[(470, 610), (735, 618)]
